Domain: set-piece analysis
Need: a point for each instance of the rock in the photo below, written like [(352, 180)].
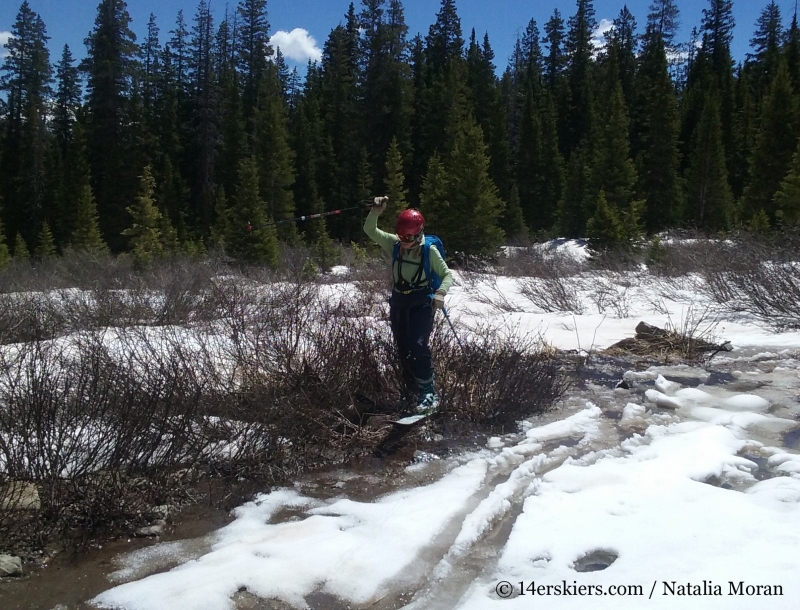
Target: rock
[(10, 566), (19, 495), (151, 530)]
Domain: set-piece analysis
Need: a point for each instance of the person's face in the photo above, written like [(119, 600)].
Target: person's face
[(407, 242)]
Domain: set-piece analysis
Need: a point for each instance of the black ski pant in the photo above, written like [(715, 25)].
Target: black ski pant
[(411, 316)]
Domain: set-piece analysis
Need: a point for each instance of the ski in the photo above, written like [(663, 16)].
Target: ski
[(411, 419), (416, 417)]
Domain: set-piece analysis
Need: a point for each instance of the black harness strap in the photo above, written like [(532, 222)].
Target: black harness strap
[(416, 282)]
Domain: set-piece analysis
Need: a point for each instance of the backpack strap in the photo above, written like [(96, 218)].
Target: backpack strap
[(424, 265), (426, 260)]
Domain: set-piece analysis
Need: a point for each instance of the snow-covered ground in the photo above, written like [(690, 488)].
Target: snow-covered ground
[(682, 491)]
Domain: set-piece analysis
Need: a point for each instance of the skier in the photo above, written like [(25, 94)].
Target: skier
[(413, 301)]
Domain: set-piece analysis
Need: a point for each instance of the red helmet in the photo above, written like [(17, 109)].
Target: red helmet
[(409, 222)]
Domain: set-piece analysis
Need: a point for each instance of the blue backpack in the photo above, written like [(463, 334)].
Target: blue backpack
[(430, 240)]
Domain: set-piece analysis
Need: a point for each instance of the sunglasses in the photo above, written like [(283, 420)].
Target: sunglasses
[(408, 239)]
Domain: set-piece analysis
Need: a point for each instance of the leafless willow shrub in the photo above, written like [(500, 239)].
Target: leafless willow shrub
[(546, 278), (758, 277), (82, 270), (683, 254), (484, 288), (618, 260), (611, 292), (30, 316), (294, 364), (81, 420), (539, 261), (553, 294), (498, 377)]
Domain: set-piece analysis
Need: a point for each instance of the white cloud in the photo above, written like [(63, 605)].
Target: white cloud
[(4, 38), (599, 35), (297, 45)]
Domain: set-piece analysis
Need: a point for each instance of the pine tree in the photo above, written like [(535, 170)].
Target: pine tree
[(613, 169), (46, 247), (512, 221), (556, 60), (787, 199), (274, 155), (744, 134), (484, 95), (68, 99), (528, 165), (385, 82), (150, 53), (144, 233), (233, 139), (718, 24), (664, 20), (20, 248), (251, 238), (395, 181), (86, 237), (110, 67), (5, 256), (580, 116), (552, 166), (27, 64), (656, 128), (254, 51), (434, 199), (337, 88), (775, 143), (708, 196), (792, 52), (443, 88), (308, 143), (178, 52), (766, 44), (203, 117), (605, 230), (221, 228), (625, 41), (26, 82), (475, 206), (574, 205)]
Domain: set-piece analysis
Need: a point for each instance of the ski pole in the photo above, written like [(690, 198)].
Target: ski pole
[(455, 334), (361, 205)]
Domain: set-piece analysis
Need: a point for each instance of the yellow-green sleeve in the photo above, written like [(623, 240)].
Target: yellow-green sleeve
[(442, 270), (385, 240)]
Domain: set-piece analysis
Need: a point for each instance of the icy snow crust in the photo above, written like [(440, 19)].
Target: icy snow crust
[(679, 486)]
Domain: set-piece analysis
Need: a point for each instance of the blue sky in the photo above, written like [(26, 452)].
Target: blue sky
[(302, 26)]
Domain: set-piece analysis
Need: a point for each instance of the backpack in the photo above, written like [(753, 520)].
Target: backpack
[(430, 240)]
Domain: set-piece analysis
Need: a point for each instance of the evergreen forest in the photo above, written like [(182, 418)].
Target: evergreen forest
[(201, 137)]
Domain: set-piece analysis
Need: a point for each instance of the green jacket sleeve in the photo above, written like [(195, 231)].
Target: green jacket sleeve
[(385, 240), (442, 270)]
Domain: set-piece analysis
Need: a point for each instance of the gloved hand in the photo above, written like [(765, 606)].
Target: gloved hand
[(379, 205), (438, 300)]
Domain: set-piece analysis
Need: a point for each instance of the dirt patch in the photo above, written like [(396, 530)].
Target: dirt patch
[(70, 580)]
